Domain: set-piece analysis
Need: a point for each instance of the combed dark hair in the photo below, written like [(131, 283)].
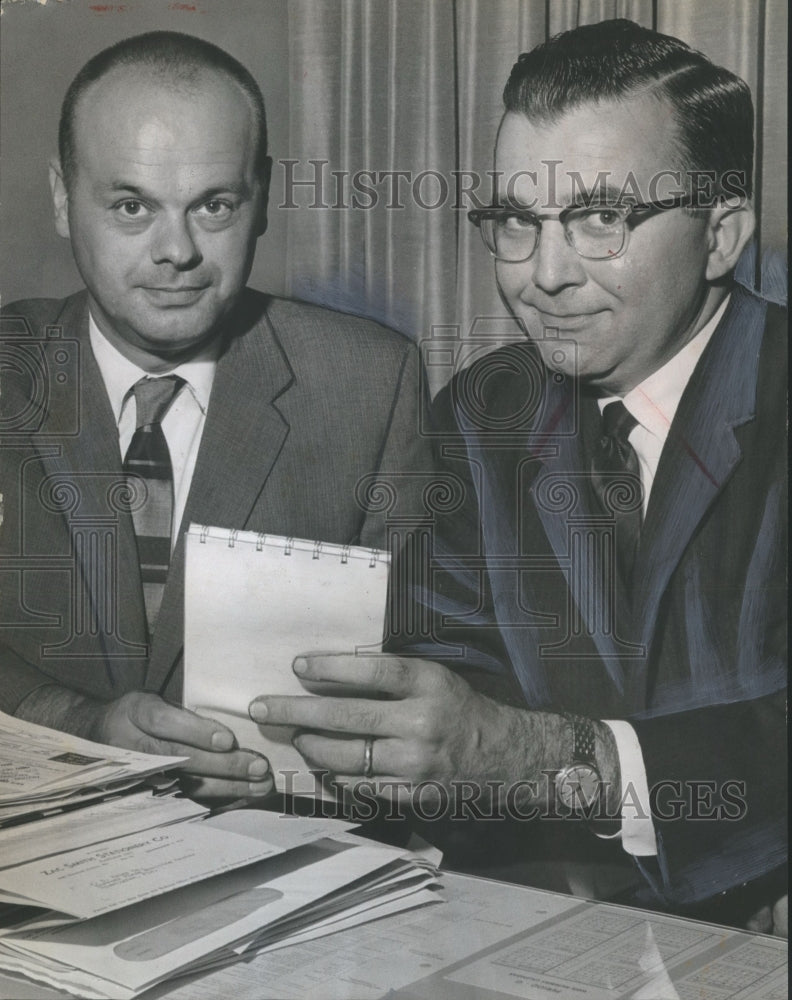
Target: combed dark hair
[(178, 56), (613, 59)]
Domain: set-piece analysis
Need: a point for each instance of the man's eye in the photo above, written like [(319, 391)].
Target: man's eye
[(215, 209), (602, 218), (131, 208), (512, 224)]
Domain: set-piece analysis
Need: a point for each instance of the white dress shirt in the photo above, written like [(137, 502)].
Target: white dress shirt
[(182, 425), (653, 403)]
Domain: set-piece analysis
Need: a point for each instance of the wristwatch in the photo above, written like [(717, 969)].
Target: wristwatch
[(579, 784)]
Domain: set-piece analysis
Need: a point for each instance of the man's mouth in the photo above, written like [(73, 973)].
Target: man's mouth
[(567, 320), (174, 295)]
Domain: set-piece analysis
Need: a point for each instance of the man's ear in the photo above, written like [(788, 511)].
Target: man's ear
[(265, 175), (60, 197), (731, 225)]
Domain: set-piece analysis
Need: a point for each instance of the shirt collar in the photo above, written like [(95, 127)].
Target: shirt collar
[(654, 401), (119, 374)]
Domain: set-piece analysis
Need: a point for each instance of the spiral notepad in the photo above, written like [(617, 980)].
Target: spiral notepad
[(253, 603)]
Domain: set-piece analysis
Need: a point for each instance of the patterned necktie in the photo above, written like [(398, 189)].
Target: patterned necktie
[(615, 476), (148, 459)]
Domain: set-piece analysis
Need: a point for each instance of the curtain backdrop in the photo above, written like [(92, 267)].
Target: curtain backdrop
[(381, 86)]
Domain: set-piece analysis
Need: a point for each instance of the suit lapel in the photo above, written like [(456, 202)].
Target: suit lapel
[(242, 438), (78, 447), (701, 450), (561, 497)]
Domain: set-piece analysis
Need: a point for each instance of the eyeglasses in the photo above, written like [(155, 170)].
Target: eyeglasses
[(596, 232)]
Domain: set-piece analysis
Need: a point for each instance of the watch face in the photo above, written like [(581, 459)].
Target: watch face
[(578, 786)]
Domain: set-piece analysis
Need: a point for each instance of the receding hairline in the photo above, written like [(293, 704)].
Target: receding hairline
[(616, 59), (180, 63), (651, 89), (178, 81)]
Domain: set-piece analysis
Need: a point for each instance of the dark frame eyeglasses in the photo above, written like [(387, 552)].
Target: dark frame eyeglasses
[(594, 231)]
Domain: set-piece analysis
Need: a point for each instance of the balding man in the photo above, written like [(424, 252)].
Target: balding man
[(166, 379)]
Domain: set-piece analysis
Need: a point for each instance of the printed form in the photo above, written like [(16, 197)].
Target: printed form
[(493, 940)]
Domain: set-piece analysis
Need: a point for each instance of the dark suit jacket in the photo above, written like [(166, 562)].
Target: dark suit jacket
[(694, 658), (305, 404)]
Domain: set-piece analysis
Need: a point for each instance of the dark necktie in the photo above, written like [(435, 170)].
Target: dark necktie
[(615, 476), (148, 459)]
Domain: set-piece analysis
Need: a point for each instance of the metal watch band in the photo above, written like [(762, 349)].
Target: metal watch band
[(583, 739), (579, 785)]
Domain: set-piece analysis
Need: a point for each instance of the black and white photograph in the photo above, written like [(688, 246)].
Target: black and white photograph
[(393, 499)]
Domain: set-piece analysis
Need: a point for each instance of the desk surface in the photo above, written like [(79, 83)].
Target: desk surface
[(489, 941)]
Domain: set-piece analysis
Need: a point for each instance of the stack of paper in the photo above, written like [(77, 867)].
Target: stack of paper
[(317, 879), (106, 876), (42, 769), (94, 823), (136, 890), (130, 888)]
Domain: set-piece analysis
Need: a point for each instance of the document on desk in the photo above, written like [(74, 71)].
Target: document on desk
[(599, 952), (114, 817), (480, 944), (209, 923), (99, 878), (255, 602), (382, 958), (42, 768)]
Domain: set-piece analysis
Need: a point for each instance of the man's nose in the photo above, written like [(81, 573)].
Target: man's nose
[(173, 243), (556, 264)]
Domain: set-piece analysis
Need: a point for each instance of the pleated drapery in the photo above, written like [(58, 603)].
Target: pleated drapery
[(363, 115), (381, 87)]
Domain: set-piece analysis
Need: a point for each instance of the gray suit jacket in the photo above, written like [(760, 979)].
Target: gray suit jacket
[(305, 405)]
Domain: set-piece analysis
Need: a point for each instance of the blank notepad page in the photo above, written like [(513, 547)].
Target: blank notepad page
[(252, 604)]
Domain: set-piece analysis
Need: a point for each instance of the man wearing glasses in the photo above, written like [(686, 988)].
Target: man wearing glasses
[(625, 556)]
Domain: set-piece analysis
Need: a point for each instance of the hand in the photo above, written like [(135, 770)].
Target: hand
[(216, 769), (426, 723), (141, 720)]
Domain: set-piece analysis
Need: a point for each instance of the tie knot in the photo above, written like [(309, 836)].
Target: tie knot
[(618, 422), (153, 396)]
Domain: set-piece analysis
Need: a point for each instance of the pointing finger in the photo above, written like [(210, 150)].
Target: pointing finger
[(338, 715), (388, 675)]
